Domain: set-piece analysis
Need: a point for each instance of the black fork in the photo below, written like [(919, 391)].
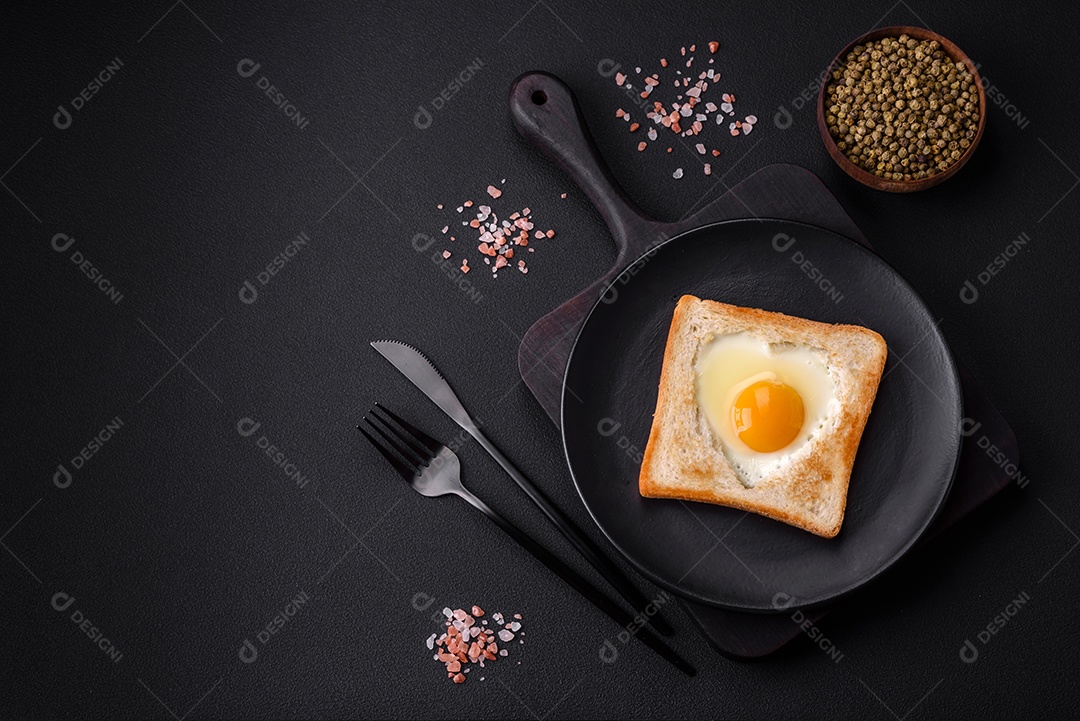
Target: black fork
[(432, 470)]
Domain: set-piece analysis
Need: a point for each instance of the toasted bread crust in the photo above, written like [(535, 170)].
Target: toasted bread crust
[(680, 463)]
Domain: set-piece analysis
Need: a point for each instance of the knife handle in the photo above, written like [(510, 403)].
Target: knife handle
[(613, 610), (584, 545)]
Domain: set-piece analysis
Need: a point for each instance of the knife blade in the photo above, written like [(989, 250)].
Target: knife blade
[(415, 366)]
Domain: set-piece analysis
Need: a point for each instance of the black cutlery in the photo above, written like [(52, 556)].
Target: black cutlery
[(415, 366)]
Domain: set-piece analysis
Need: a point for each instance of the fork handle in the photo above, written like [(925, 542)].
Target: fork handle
[(581, 585), (576, 536)]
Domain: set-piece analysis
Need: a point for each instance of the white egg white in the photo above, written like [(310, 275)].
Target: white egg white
[(728, 364)]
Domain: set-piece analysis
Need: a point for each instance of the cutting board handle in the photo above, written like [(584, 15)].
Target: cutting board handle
[(545, 112)]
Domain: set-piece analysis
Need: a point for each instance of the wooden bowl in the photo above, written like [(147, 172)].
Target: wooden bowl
[(865, 177)]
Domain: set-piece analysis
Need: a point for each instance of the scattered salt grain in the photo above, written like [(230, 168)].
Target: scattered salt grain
[(457, 649), (677, 174), (497, 238), (690, 112)]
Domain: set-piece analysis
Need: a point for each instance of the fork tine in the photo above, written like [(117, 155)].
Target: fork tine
[(402, 468), (394, 439), (415, 444), (423, 438)]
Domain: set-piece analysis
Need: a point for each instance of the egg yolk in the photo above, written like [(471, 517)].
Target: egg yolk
[(767, 415)]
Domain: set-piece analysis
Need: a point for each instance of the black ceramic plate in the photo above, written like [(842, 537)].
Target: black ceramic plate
[(722, 556)]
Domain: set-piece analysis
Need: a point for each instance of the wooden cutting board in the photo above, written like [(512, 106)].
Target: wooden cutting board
[(546, 113)]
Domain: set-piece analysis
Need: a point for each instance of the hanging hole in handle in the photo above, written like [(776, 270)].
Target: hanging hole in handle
[(539, 97)]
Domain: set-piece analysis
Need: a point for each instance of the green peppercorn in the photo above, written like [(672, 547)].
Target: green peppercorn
[(901, 108)]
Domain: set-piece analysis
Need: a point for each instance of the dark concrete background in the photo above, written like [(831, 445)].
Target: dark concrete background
[(179, 180)]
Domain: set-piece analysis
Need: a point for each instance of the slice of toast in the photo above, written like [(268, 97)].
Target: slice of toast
[(681, 460)]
